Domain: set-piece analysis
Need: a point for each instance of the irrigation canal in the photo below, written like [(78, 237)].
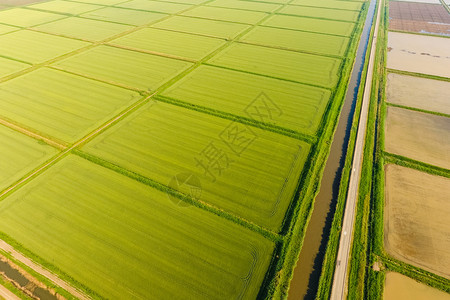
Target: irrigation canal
[(305, 282)]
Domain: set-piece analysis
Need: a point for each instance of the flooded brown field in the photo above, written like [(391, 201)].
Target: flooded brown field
[(416, 227), (419, 17), (418, 92), (419, 53), (420, 136), (402, 287)]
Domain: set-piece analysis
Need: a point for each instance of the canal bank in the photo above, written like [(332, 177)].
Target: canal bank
[(307, 272)]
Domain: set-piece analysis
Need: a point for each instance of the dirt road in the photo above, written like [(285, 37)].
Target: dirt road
[(6, 294)]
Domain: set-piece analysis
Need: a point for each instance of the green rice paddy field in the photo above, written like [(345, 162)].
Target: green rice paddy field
[(190, 137)]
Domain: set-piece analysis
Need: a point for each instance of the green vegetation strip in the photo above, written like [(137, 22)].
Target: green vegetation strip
[(26, 17), (20, 154), (35, 47), (82, 28), (310, 24), (253, 175), (246, 5), (299, 67), (124, 16), (77, 207), (206, 27), (316, 12), (174, 43), (40, 100), (142, 71), (285, 104), (155, 6), (302, 41)]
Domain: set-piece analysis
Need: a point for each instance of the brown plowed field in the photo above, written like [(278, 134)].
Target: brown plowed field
[(419, 17), (416, 227)]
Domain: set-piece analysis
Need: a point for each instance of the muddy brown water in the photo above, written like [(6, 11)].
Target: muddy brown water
[(307, 271), (22, 282)]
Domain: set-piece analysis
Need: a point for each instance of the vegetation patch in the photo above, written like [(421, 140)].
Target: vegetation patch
[(253, 175), (20, 154), (155, 6), (283, 64), (172, 43), (311, 24), (124, 16), (298, 40), (8, 66), (139, 241), (226, 14), (320, 12), (142, 71), (81, 28), (36, 47), (290, 105), (26, 17), (206, 27), (65, 7), (256, 6), (40, 100)]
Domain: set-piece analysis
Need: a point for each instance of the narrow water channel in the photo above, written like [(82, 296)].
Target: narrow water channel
[(22, 282), (307, 272)]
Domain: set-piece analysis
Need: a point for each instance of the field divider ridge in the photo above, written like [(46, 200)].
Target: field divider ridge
[(268, 76), (407, 162), (23, 130), (244, 120), (431, 112), (274, 237)]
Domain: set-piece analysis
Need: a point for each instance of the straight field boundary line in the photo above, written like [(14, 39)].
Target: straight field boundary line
[(431, 112), (241, 119), (67, 150), (310, 31), (8, 248), (212, 64), (318, 18), (418, 165), (101, 128), (415, 74), (32, 134), (83, 49), (266, 233), (292, 50), (346, 9), (49, 63), (419, 33), (424, 276)]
